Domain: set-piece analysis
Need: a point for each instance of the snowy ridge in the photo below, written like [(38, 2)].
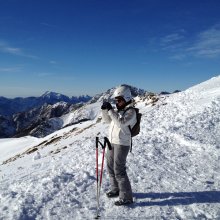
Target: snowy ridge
[(86, 112), (174, 168)]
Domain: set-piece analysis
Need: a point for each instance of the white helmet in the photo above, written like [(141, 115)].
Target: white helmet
[(123, 91)]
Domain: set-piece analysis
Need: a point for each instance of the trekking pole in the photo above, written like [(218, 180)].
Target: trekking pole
[(99, 182), (97, 177), (101, 172)]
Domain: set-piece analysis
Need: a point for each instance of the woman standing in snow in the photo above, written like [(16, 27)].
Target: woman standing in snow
[(120, 138)]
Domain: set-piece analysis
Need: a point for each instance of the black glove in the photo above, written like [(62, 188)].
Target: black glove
[(106, 105)]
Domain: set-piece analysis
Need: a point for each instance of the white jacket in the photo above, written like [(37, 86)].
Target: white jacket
[(119, 132)]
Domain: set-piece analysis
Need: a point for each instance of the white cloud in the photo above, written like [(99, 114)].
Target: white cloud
[(53, 62), (207, 43), (178, 57), (10, 69), (12, 50), (6, 48), (171, 38), (173, 42)]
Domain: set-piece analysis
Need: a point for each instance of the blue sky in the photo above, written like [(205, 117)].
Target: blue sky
[(88, 46)]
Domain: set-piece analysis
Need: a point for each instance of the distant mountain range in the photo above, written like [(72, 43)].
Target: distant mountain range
[(8, 107), (34, 115), (40, 116)]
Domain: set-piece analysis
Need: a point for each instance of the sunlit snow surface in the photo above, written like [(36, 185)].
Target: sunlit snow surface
[(174, 168)]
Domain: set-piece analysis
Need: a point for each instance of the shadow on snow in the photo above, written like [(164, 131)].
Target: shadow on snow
[(178, 198)]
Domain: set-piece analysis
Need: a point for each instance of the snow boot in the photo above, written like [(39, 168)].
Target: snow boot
[(112, 194), (123, 202)]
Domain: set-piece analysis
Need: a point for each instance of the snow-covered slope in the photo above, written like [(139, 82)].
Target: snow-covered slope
[(174, 167), (12, 146)]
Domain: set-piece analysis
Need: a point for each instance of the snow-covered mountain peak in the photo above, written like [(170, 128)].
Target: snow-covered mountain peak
[(108, 95), (53, 95)]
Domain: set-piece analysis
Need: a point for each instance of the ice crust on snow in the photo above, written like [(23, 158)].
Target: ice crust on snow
[(174, 167)]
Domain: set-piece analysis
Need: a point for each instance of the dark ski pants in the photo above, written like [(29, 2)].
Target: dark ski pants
[(116, 164)]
